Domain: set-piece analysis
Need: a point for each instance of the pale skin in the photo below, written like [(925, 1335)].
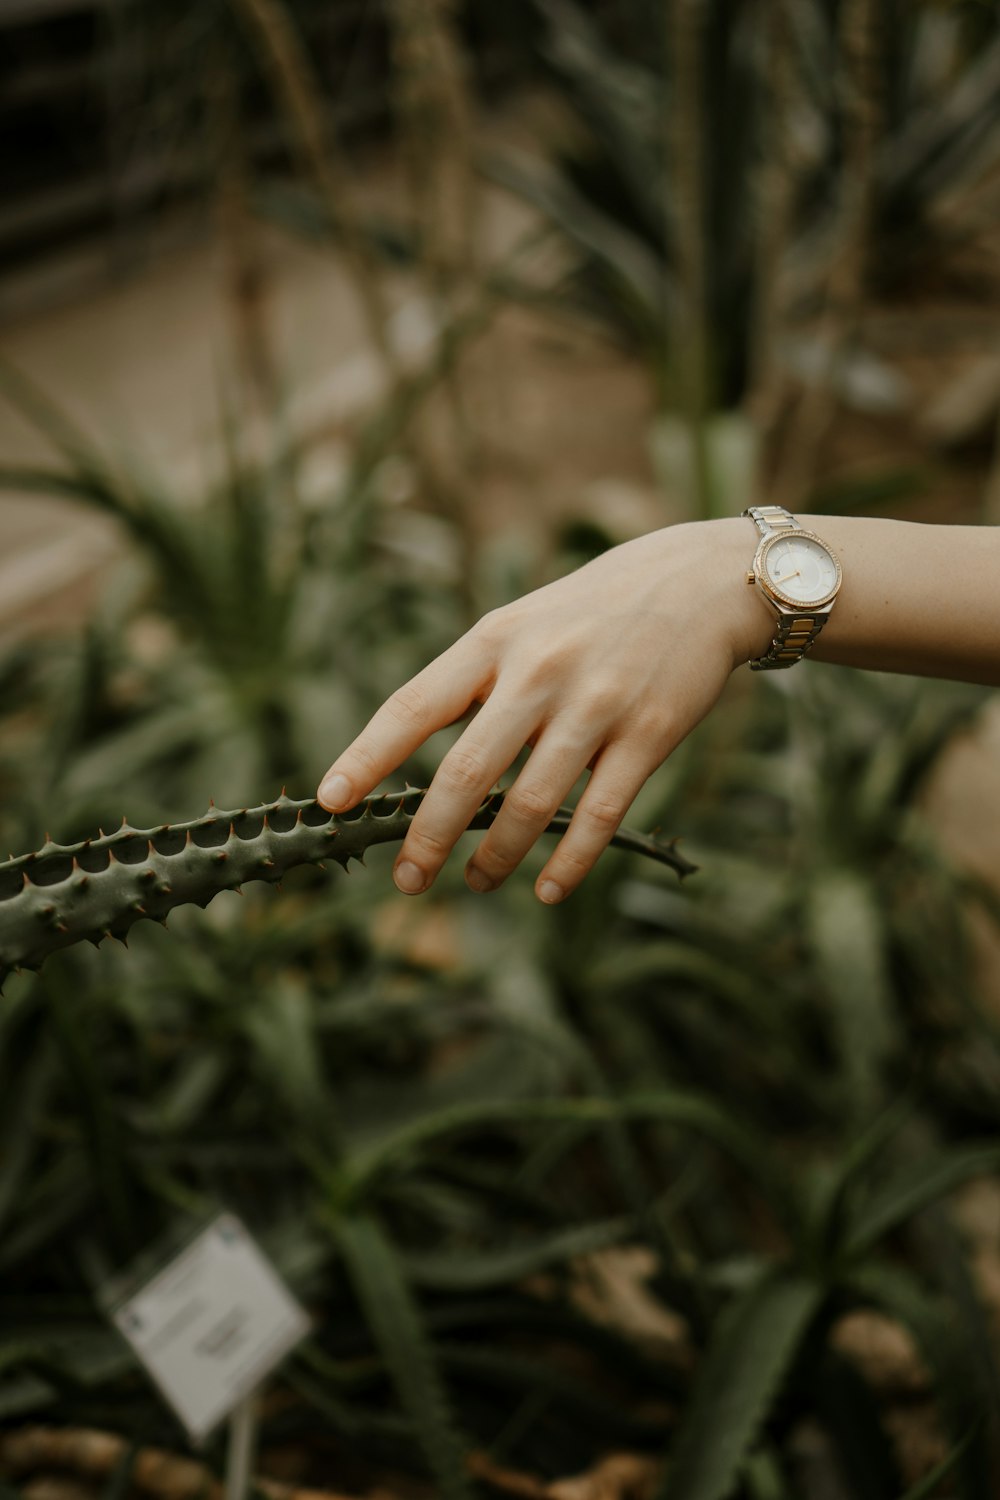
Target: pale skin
[(611, 667)]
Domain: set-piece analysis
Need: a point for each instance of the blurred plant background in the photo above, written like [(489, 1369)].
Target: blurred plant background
[(327, 327)]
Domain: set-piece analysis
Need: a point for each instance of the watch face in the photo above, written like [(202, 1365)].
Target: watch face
[(799, 569)]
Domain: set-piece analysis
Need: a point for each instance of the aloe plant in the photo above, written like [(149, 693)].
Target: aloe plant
[(63, 893)]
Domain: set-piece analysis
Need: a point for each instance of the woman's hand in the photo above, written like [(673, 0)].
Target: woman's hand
[(608, 668), (611, 667)]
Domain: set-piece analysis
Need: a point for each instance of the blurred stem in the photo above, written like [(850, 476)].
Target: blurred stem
[(774, 202), (685, 155), (435, 113), (438, 126), (860, 54), (434, 109), (247, 281), (296, 86), (394, 417)]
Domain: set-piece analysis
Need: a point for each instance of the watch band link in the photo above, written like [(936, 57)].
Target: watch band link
[(796, 631), (794, 636), (768, 518)]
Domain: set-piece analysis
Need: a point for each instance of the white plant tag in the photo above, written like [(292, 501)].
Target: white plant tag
[(212, 1324)]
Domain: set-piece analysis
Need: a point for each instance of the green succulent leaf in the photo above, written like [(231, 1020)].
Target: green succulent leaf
[(914, 1187), (847, 933), (685, 1111), (752, 1349), (471, 1270), (394, 1316)]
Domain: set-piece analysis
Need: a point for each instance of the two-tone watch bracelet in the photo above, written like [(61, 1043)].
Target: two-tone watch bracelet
[(796, 631)]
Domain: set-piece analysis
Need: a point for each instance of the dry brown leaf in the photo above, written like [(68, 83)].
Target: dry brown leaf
[(883, 1350), (426, 936), (620, 1476), (609, 1286), (976, 1208), (511, 1481), (90, 1454), (54, 1487), (917, 1439)]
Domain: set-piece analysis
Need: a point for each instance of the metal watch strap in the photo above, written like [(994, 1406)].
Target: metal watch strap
[(768, 518), (797, 630)]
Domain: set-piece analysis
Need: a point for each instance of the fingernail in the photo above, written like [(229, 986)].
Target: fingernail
[(335, 791), (409, 878), (549, 892), (477, 881)]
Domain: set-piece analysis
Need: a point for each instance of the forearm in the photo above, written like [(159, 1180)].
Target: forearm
[(915, 598)]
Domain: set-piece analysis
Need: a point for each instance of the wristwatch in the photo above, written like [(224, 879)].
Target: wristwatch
[(799, 575)]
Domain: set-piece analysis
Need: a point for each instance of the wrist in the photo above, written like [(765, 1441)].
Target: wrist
[(728, 544)]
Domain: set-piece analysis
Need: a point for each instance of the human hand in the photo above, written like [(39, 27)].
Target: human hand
[(606, 669)]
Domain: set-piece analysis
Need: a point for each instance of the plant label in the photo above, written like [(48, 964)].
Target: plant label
[(212, 1324)]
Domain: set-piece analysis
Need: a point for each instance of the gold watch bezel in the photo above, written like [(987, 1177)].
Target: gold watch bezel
[(776, 594)]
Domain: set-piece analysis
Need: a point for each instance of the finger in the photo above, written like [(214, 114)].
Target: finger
[(541, 787), (465, 776), (619, 773), (436, 697)]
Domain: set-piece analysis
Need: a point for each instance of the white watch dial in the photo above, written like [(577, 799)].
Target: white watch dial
[(800, 569)]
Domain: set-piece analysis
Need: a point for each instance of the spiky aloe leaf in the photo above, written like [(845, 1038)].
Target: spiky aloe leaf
[(752, 1350), (684, 1109), (62, 894), (394, 1314)]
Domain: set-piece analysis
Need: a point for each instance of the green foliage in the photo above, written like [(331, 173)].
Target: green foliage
[(766, 1081), (752, 1347), (757, 130)]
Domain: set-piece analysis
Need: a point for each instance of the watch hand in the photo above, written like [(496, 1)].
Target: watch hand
[(785, 576)]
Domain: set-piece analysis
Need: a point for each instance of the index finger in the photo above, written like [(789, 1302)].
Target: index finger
[(435, 698)]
